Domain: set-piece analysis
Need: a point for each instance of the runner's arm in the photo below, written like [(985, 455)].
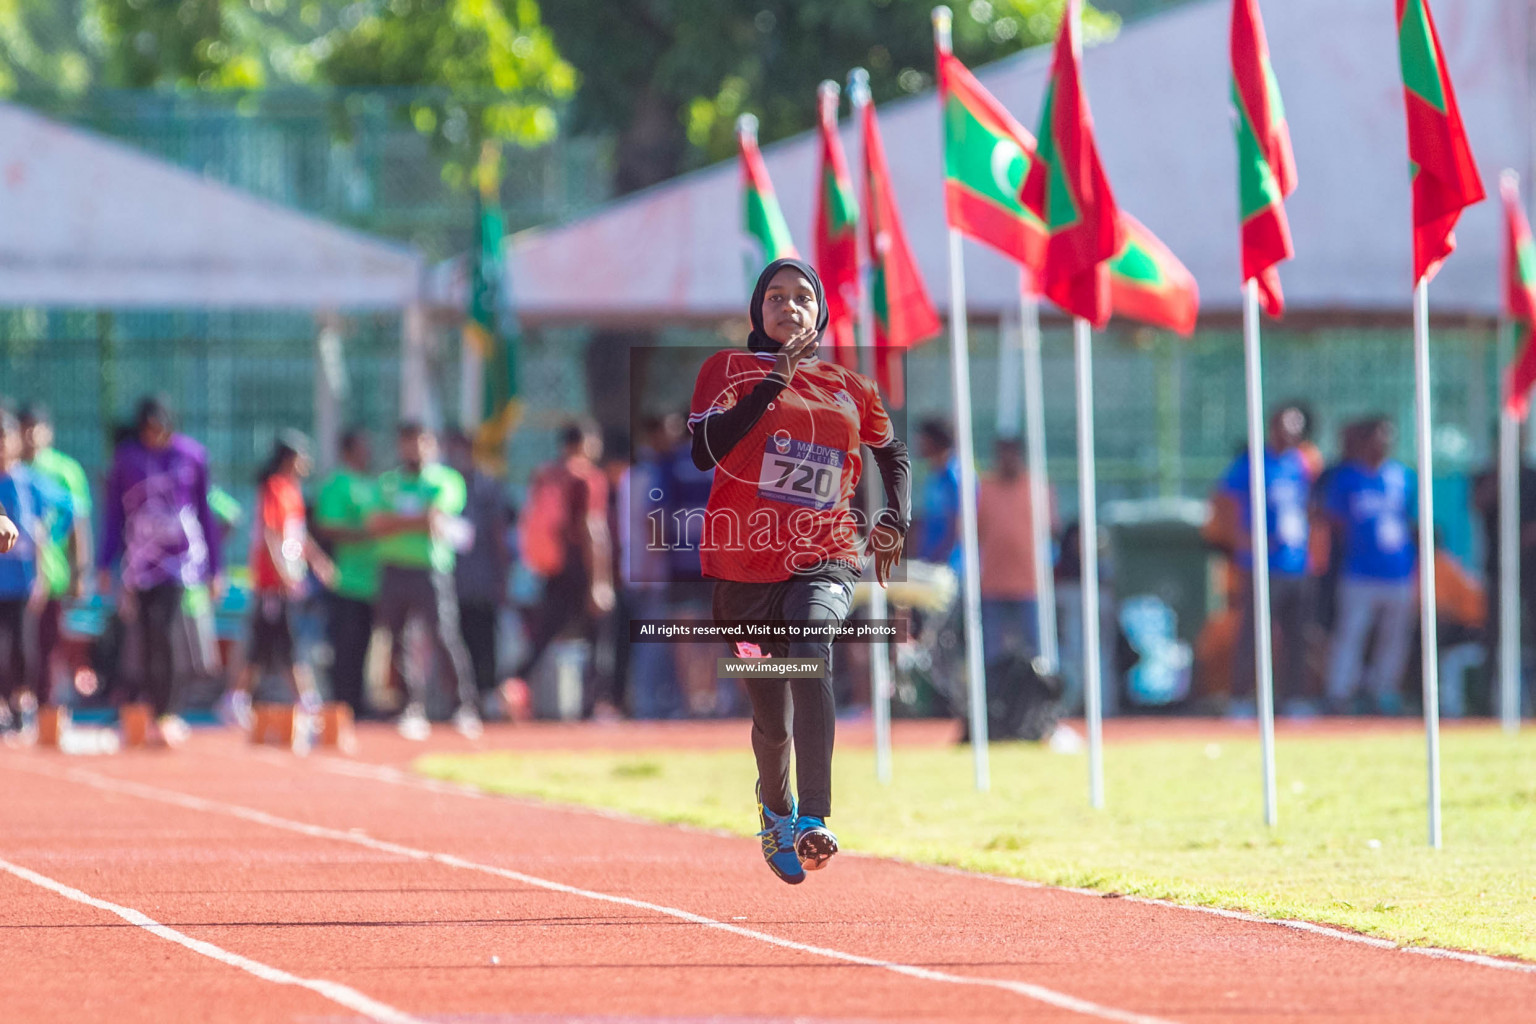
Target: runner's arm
[(719, 432), (896, 476)]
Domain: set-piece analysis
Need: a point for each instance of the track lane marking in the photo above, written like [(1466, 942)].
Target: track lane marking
[(332, 990), (397, 777), (1039, 993)]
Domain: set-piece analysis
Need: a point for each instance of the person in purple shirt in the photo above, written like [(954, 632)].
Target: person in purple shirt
[(160, 534)]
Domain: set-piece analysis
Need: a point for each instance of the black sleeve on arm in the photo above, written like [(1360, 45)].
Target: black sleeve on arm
[(896, 475), (715, 435)]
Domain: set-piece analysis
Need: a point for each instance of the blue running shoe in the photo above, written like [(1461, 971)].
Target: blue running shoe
[(778, 837), (814, 842)]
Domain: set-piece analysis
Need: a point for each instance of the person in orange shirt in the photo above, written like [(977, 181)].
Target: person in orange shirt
[(1005, 535), (282, 553)]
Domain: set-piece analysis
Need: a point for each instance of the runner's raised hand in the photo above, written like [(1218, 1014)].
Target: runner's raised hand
[(794, 350)]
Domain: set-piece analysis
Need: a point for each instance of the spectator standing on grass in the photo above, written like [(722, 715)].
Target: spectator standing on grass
[(1372, 500), (157, 523), (347, 498), (1288, 483), (65, 564), (42, 514), (416, 518), (282, 556), (645, 570), (564, 539), (1461, 616), (608, 693), (480, 573), (1485, 501), (938, 535), (1005, 535)]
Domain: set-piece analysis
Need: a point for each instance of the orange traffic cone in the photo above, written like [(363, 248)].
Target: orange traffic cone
[(336, 726), (274, 723), (134, 721), (259, 724), (52, 722)]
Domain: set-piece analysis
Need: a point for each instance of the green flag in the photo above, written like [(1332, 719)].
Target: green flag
[(488, 326)]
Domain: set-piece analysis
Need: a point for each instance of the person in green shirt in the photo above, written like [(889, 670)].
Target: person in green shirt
[(65, 564), (417, 522), (347, 498)]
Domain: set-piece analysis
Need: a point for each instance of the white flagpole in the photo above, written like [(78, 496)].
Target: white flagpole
[(1430, 651), (1258, 505), (1039, 478), (1509, 528), (1009, 373), (879, 651), (1088, 518), (1509, 570), (960, 376)]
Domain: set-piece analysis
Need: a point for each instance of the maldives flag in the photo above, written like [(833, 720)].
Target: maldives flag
[(986, 159), (1266, 170), (1519, 297), (837, 235), (764, 220), (904, 314), (1445, 177), (1148, 283), (1068, 190)]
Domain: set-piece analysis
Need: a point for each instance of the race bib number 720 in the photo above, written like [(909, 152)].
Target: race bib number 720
[(801, 473)]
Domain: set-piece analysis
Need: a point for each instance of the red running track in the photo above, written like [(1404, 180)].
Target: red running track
[(220, 883)]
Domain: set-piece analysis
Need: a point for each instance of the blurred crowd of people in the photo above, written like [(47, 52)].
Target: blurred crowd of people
[(1343, 567), (481, 607)]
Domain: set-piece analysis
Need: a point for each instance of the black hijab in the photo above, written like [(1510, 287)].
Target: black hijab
[(758, 340)]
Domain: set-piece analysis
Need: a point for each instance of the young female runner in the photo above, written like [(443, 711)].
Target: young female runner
[(783, 432)]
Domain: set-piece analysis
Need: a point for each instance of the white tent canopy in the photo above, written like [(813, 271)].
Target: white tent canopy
[(89, 222), (1160, 98)]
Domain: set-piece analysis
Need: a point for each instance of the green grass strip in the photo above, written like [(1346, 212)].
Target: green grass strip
[(1184, 822)]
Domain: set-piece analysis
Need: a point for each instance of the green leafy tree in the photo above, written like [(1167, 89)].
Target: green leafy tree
[(671, 76), (464, 70), (478, 69)]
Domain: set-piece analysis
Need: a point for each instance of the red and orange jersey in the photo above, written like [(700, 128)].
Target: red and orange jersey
[(781, 498)]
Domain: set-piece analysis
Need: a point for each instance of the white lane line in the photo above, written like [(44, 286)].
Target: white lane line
[(395, 776), (1039, 993), (334, 991)]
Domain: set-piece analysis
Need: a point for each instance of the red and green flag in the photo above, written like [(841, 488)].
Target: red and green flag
[(837, 234), (1445, 179), (987, 156), (1069, 191), (1519, 297), (1147, 283), (764, 221), (489, 326), (904, 314), (1266, 169)]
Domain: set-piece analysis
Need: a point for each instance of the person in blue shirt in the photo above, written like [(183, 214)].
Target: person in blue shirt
[(1372, 500), (37, 506), (1288, 485), (938, 512)]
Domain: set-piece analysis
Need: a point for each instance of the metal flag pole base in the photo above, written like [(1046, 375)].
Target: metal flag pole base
[(1258, 505), (1430, 651), (1088, 535), (960, 380), (1509, 572), (879, 608), (1039, 480)]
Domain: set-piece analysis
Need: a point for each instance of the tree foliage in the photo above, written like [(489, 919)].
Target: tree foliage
[(671, 76), (463, 70)]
